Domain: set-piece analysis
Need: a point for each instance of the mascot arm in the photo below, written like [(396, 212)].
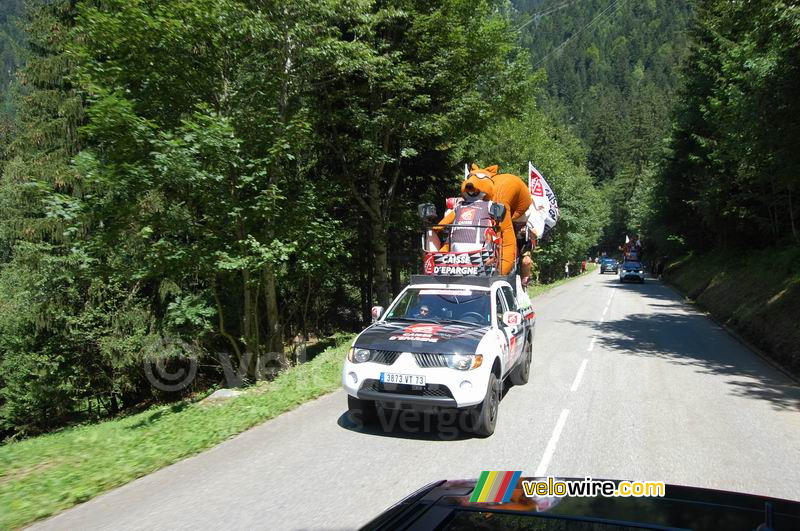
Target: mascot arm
[(512, 192), (509, 245), (522, 200), (447, 220)]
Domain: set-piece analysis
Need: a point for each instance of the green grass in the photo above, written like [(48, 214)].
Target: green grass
[(757, 293), (535, 290), (47, 474)]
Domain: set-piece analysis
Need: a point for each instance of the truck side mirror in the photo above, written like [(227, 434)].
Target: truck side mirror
[(512, 319), (427, 211), (377, 312)]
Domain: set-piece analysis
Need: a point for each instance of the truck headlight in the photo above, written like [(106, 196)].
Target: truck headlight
[(359, 355), (464, 362)]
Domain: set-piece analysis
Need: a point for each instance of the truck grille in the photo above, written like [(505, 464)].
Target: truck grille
[(385, 357), (427, 360), (433, 390)]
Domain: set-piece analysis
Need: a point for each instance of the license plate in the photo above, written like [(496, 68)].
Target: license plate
[(408, 379)]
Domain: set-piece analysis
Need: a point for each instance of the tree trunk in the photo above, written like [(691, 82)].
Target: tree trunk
[(274, 329), (394, 262), (378, 241), (309, 288), (250, 325), (791, 215)]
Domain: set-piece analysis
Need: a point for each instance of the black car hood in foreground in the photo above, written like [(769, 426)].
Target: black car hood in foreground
[(445, 505), (408, 336)]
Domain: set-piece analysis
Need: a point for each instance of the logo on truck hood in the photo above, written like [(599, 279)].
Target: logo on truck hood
[(422, 337), (420, 332)]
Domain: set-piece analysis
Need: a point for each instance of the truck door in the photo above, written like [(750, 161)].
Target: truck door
[(505, 347), (515, 334)]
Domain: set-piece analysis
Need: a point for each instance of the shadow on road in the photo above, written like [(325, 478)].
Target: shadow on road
[(409, 425), (681, 335), (446, 426)]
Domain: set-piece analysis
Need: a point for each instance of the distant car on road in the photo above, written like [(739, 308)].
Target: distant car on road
[(608, 264), (631, 270)]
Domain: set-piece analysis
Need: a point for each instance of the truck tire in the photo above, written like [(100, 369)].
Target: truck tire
[(522, 372), (485, 414), (360, 411)]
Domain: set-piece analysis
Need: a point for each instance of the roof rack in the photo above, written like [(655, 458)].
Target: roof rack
[(471, 280)]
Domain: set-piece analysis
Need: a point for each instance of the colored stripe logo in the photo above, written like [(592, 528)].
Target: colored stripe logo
[(494, 486)]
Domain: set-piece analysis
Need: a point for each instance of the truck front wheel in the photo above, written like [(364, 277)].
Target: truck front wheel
[(522, 371), (485, 413)]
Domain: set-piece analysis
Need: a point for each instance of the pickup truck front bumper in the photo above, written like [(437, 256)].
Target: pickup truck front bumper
[(445, 388)]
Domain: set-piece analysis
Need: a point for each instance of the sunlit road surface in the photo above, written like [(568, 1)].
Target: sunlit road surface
[(628, 383)]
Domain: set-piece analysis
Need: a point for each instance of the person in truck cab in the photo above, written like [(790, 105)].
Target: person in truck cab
[(423, 313)]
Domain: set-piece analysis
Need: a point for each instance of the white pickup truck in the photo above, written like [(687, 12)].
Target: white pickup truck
[(446, 342)]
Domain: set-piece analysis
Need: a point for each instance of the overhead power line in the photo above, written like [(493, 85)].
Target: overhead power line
[(544, 13), (606, 10)]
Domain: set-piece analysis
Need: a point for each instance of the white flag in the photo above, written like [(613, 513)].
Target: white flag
[(536, 188), (553, 213), (466, 171), (537, 183)]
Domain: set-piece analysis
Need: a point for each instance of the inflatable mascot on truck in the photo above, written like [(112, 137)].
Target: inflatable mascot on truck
[(466, 235)]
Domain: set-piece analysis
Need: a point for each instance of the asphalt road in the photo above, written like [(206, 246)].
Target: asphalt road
[(628, 382)]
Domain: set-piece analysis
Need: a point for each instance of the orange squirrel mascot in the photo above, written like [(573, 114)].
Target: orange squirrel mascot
[(478, 192), (512, 192)]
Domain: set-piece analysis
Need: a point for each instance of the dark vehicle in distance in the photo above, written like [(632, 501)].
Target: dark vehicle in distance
[(608, 264), (445, 505)]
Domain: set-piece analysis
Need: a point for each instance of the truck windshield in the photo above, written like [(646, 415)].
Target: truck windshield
[(434, 305)]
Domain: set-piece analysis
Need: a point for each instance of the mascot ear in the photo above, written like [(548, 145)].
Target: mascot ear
[(493, 169), (475, 167)]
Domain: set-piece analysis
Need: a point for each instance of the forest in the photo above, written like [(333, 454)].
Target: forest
[(182, 178)]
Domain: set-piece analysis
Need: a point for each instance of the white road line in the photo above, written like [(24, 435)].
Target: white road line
[(591, 344), (605, 311), (551, 445), (579, 376)]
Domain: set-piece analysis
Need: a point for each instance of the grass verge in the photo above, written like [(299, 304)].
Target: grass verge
[(537, 289), (47, 474), (756, 293)]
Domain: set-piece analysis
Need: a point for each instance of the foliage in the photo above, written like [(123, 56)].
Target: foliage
[(612, 70), (733, 171), (11, 57), (228, 175), (396, 104), (43, 475), (513, 142)]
